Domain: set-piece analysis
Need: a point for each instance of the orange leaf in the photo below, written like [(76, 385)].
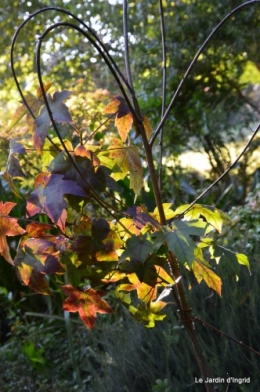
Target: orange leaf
[(88, 303), (124, 118), (201, 271), (46, 88), (147, 126), (8, 227), (124, 124)]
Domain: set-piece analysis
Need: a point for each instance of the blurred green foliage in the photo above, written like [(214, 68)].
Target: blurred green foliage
[(218, 105)]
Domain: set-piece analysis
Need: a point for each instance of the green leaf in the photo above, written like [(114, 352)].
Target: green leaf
[(196, 227), (178, 242), (149, 314), (137, 248)]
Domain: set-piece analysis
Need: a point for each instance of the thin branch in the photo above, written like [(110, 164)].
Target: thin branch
[(223, 174), (187, 73), (205, 324)]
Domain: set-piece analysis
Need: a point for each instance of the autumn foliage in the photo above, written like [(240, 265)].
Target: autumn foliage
[(78, 230)]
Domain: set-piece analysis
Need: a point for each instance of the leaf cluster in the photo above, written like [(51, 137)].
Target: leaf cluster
[(123, 253)]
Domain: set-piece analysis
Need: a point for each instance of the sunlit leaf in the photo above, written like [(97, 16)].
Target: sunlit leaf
[(124, 118), (8, 227), (202, 271), (128, 161), (36, 258), (87, 303), (213, 216), (168, 212), (149, 314), (35, 103), (144, 291)]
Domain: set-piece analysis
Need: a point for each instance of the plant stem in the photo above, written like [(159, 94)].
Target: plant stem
[(187, 321), (180, 298)]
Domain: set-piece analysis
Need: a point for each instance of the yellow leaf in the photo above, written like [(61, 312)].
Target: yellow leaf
[(124, 124), (128, 161), (147, 126), (201, 271)]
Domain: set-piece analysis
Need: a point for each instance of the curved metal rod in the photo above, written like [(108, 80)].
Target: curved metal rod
[(91, 31), (163, 36), (187, 73), (95, 196)]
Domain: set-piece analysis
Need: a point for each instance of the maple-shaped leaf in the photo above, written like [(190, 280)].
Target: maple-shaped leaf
[(212, 215), (137, 248), (148, 314), (88, 303), (48, 197), (60, 114), (8, 227), (128, 161), (35, 103), (178, 242), (36, 258), (144, 291), (124, 118), (202, 271), (141, 217)]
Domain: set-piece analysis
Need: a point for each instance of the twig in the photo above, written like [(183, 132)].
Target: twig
[(223, 174), (205, 324)]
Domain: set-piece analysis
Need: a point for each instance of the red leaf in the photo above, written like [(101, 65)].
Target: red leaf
[(8, 227), (88, 303)]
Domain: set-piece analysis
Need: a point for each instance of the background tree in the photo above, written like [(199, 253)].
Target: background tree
[(140, 89)]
